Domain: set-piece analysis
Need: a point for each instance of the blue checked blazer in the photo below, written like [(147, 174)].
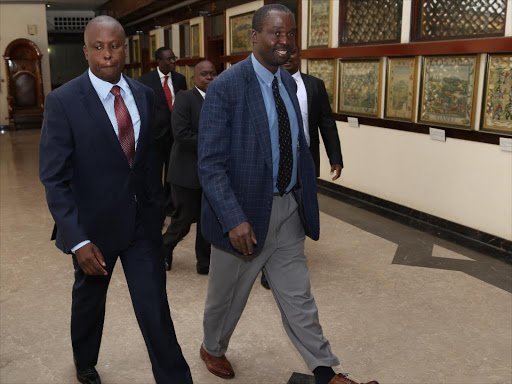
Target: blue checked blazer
[(235, 159)]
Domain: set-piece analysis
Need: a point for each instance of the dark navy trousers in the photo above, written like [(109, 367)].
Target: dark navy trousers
[(145, 273)]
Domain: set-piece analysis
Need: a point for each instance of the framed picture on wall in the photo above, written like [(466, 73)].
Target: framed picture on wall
[(240, 27), (319, 23), (153, 43), (195, 41), (497, 103), (182, 70), (447, 96), (360, 87), (401, 88), (325, 69), (136, 51), (190, 76)]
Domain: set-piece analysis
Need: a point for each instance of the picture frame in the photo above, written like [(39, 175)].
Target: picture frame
[(136, 51), (401, 80), (190, 76), (448, 91), (360, 85), (182, 70), (153, 44), (325, 69), (497, 96), (240, 27), (195, 41), (319, 24)]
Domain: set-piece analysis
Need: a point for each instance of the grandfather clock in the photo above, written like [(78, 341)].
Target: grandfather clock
[(25, 97)]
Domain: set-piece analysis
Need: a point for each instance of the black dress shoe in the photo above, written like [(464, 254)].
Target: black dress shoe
[(264, 281), (203, 270), (167, 258), (88, 376)]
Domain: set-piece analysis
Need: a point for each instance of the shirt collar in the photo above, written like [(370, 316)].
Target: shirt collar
[(161, 74), (103, 88), (297, 76), (201, 92), (264, 73)]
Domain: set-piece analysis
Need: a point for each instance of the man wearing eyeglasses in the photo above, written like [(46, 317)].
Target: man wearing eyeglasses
[(166, 83)]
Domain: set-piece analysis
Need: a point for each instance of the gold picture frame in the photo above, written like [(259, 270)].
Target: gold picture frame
[(195, 41), (325, 69), (360, 87), (240, 27), (497, 101), (153, 44), (448, 91), (182, 69), (401, 83), (319, 24), (190, 76)]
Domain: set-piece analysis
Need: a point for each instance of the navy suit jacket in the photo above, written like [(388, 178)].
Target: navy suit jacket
[(235, 159), (92, 192)]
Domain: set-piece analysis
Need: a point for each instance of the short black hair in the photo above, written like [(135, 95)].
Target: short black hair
[(158, 52), (260, 16)]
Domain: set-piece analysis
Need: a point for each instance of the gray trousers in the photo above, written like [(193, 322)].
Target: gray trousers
[(282, 258)]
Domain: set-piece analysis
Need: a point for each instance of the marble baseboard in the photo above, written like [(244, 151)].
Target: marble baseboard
[(300, 378), (471, 238)]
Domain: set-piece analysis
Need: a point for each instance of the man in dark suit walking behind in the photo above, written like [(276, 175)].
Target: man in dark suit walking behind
[(186, 190), (97, 168), (260, 199), (166, 83)]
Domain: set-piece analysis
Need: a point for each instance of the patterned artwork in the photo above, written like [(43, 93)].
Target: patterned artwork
[(497, 110), (401, 87), (326, 70), (240, 30), (360, 87), (190, 76), (195, 41), (152, 46), (319, 23), (448, 89), (372, 20)]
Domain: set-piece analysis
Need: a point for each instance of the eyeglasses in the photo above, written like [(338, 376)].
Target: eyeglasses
[(172, 59)]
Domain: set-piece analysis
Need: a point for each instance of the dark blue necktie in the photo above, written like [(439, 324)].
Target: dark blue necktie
[(284, 174)]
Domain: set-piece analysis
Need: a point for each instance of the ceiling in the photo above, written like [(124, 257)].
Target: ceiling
[(71, 5)]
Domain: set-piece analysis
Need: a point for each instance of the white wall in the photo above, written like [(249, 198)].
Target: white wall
[(14, 19), (466, 182)]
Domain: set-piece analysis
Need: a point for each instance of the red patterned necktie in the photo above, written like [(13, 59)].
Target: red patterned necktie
[(124, 125), (168, 93)]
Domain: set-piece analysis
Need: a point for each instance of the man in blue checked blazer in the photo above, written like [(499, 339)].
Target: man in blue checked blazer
[(259, 197)]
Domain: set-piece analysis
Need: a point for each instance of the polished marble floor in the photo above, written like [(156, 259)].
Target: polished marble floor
[(397, 305)]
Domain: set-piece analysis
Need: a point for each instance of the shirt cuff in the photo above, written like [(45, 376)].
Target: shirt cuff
[(80, 245)]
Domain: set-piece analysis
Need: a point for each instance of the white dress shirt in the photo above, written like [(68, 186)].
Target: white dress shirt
[(169, 82), (303, 103)]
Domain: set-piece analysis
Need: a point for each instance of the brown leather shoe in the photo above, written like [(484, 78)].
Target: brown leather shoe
[(219, 366), (340, 379)]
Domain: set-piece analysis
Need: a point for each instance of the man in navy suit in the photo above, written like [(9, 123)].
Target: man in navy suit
[(98, 171), (260, 202)]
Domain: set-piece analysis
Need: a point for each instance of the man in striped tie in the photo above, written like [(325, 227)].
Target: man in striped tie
[(97, 166)]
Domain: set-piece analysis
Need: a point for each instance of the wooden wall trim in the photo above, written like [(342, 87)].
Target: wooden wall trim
[(488, 45)]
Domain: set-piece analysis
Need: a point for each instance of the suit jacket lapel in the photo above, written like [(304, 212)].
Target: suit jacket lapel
[(257, 111), (141, 102), (157, 84), (99, 116)]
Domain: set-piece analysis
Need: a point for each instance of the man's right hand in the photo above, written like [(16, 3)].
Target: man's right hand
[(91, 260), (242, 238)]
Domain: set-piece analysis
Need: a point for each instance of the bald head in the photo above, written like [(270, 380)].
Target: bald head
[(103, 21), (105, 48), (204, 73)]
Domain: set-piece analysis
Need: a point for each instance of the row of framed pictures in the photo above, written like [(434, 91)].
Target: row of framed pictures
[(448, 89), (188, 72)]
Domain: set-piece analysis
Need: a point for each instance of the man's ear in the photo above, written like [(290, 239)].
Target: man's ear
[(254, 36), (86, 53)]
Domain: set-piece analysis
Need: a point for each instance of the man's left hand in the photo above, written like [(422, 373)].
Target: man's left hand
[(337, 168)]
